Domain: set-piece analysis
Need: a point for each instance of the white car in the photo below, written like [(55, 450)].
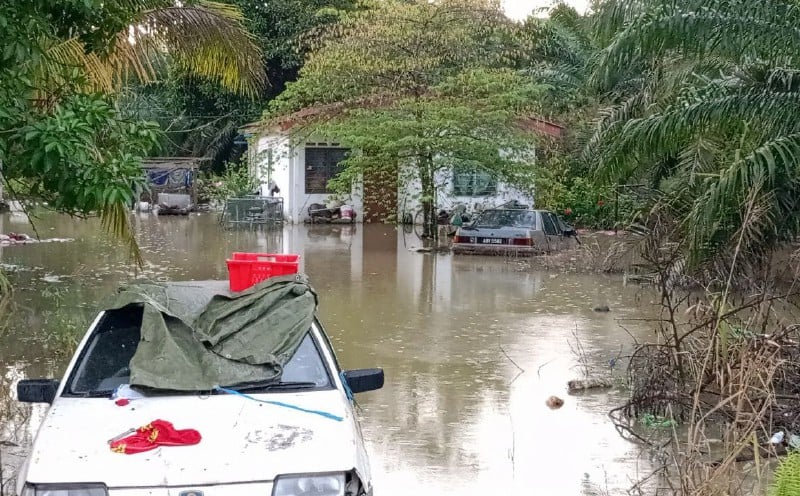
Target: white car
[(296, 436)]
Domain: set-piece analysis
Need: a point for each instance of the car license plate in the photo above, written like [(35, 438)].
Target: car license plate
[(491, 241)]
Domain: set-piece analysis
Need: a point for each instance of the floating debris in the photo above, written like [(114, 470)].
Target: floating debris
[(656, 421), (11, 239), (554, 402), (592, 383)]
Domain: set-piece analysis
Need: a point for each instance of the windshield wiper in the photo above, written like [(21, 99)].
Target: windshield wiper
[(94, 394), (271, 386)]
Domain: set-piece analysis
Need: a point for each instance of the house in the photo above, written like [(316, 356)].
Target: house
[(297, 168)]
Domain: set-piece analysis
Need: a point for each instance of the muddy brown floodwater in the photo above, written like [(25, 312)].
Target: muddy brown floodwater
[(472, 346)]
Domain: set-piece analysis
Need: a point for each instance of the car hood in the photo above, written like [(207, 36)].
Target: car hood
[(242, 440)]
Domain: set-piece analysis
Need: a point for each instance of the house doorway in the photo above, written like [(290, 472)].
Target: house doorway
[(380, 194)]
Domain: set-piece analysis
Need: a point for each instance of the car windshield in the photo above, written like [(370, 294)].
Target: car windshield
[(507, 218), (104, 363)]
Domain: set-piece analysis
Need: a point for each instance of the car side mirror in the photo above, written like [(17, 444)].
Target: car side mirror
[(361, 380), (37, 390)]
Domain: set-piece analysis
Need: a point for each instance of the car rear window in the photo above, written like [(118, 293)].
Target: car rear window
[(507, 218)]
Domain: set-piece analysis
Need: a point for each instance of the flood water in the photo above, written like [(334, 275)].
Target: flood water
[(471, 346)]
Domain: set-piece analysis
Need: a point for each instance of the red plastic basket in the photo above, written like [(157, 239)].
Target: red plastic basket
[(248, 269)]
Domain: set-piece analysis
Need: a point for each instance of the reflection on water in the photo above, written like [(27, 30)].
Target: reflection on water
[(452, 418)]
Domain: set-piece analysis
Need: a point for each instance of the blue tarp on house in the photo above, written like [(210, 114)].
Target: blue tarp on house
[(178, 177)]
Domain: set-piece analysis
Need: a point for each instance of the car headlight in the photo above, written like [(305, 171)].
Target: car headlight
[(311, 485), (64, 490)]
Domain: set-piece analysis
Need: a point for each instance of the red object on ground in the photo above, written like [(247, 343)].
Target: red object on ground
[(122, 402), (247, 269), (156, 433)]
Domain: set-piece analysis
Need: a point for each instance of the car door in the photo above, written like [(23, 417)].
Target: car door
[(551, 231)]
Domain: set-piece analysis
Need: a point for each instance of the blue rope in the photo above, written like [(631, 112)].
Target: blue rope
[(280, 403), (347, 390)]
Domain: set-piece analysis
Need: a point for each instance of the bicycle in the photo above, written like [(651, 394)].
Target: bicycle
[(452, 218)]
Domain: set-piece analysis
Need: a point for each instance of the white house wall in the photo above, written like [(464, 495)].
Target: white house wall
[(410, 191), (287, 161), (288, 164), (279, 161)]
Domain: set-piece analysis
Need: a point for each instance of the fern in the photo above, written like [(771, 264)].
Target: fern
[(787, 476)]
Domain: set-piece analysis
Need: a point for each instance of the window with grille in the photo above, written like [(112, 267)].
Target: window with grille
[(470, 182), (322, 165)]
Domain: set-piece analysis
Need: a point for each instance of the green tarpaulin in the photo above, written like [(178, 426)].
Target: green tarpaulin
[(197, 335)]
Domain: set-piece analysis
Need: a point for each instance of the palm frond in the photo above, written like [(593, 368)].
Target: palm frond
[(664, 133), (115, 220), (221, 140), (71, 53), (698, 159), (612, 16), (208, 39), (563, 76), (754, 198), (738, 30), (710, 119)]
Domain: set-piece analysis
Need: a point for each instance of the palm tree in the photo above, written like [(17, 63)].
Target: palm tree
[(713, 123), (560, 54)]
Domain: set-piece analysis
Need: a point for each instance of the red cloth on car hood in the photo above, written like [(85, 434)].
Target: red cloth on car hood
[(156, 433)]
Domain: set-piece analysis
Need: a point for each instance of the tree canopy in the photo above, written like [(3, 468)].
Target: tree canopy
[(418, 87)]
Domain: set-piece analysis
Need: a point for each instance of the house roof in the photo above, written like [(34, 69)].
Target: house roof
[(534, 124), (541, 126)]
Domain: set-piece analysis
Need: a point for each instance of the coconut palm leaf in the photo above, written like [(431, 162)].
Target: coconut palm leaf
[(115, 219), (72, 53), (738, 29), (207, 39)]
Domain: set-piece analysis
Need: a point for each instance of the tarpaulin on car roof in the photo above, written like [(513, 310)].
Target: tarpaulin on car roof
[(197, 335)]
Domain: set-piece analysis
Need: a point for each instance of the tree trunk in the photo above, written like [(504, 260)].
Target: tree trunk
[(430, 228)]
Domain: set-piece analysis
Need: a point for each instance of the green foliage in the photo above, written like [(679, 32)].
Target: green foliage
[(709, 122), (281, 27), (560, 53), (200, 116), (464, 123), (787, 476), (564, 185), (235, 181), (396, 48)]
